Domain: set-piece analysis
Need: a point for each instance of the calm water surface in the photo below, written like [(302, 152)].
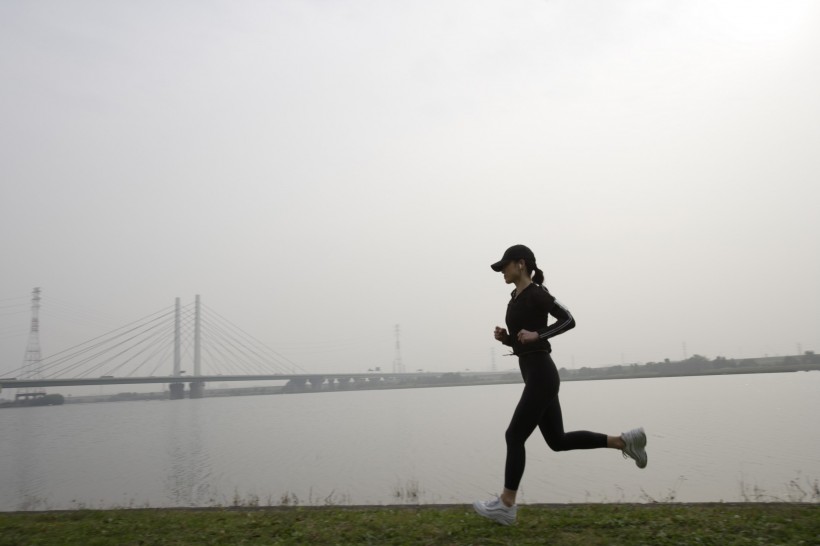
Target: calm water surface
[(724, 438)]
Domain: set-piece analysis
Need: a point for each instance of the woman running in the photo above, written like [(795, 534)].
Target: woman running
[(527, 333)]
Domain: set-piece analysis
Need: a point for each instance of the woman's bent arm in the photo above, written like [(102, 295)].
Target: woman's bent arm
[(564, 322)]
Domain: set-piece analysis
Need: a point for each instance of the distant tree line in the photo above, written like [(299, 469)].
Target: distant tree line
[(698, 365)]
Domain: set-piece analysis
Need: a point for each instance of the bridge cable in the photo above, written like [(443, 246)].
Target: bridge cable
[(101, 344), (259, 364), (235, 360), (252, 338), (166, 355), (151, 338), (50, 365), (229, 324), (101, 348), (158, 347), (228, 362), (229, 344)]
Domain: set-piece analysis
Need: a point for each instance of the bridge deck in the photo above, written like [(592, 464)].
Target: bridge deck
[(14, 383)]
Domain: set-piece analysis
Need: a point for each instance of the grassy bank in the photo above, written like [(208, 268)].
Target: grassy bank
[(588, 524)]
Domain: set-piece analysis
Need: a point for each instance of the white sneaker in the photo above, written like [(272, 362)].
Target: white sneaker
[(635, 441), (497, 511)]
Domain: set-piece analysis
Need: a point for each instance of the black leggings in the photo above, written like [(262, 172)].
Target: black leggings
[(539, 407)]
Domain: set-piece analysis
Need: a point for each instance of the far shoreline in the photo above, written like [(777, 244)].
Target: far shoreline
[(695, 366)]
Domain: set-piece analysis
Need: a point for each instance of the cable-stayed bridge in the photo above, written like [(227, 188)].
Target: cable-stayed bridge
[(152, 349)]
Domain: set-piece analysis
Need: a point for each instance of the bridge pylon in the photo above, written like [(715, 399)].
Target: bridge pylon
[(177, 387)]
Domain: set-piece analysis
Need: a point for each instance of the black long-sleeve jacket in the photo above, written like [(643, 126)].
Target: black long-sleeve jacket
[(530, 310)]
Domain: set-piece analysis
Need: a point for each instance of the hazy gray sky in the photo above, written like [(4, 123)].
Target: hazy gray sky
[(321, 171)]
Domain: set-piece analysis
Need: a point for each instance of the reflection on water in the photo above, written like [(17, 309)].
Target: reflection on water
[(25, 480), (189, 468), (438, 445)]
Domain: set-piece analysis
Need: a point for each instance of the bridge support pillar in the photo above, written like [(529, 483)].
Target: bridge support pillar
[(316, 382), (296, 384), (177, 391), (197, 389)]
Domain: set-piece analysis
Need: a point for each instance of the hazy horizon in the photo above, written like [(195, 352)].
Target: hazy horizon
[(320, 172)]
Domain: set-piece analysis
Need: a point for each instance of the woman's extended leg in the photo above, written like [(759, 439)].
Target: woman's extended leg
[(552, 429), (631, 443)]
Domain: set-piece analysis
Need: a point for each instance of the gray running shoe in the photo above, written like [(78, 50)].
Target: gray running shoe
[(497, 511), (635, 441)]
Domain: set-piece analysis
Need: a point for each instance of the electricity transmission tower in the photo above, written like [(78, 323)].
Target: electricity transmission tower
[(31, 362), (398, 367)]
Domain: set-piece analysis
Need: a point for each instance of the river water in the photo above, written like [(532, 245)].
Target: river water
[(720, 438)]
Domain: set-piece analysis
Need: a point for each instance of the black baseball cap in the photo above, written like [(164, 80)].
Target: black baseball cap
[(515, 252)]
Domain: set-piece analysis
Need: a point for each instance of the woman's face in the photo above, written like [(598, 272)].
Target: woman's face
[(513, 271)]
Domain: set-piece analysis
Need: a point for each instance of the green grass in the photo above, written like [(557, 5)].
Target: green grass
[(578, 524)]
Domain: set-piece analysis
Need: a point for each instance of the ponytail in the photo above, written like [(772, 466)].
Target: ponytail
[(532, 269), (538, 278)]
